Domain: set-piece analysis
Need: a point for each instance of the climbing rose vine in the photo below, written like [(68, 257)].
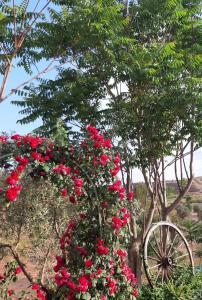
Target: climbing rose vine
[(93, 259)]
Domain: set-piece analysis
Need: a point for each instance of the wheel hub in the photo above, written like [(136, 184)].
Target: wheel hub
[(166, 262)]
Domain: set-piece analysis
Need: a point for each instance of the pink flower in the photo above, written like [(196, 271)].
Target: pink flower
[(35, 287), (104, 159), (64, 192), (117, 223), (115, 171), (91, 129), (100, 249), (61, 169), (20, 168), (71, 285), (10, 292), (13, 192), (1, 277), (131, 196), (82, 250), (107, 144), (78, 182), (135, 293), (3, 139), (22, 160), (115, 186), (18, 270), (121, 253), (72, 199), (65, 274), (88, 263), (36, 156), (99, 271), (16, 137), (97, 145), (117, 159), (105, 204)]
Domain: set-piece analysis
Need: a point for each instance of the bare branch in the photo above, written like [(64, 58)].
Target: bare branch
[(14, 24), (18, 260), (43, 269), (17, 45), (188, 185), (176, 174), (36, 6), (44, 71)]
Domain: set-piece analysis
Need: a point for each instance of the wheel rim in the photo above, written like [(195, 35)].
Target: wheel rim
[(165, 250)]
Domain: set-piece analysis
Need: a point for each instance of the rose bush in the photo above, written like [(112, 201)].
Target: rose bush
[(93, 259)]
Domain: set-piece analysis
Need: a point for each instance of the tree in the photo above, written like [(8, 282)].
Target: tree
[(20, 43), (154, 51)]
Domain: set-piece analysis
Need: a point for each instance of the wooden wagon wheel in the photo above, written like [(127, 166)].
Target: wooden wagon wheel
[(165, 249)]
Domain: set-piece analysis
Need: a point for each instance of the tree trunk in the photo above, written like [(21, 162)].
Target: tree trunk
[(135, 260)]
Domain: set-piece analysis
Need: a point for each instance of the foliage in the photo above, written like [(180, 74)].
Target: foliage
[(93, 260), (183, 211), (184, 286), (193, 230), (158, 60)]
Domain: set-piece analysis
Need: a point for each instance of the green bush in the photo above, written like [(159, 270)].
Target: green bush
[(183, 286)]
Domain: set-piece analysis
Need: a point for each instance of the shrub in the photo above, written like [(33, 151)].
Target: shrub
[(183, 286), (92, 262)]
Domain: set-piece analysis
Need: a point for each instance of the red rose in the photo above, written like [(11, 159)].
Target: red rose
[(18, 270), (10, 292), (88, 263)]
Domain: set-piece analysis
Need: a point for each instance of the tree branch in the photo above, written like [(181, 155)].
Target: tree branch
[(18, 260), (188, 185)]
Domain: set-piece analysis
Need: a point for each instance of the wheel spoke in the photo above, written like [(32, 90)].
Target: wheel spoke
[(176, 248), (171, 245), (161, 238), (166, 274), (181, 256), (152, 258), (177, 265), (162, 279), (164, 246), (157, 277), (157, 254), (157, 244), (153, 267)]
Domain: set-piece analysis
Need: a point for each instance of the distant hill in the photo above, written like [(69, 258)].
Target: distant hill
[(195, 189)]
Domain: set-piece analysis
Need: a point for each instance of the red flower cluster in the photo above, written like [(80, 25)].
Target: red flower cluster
[(41, 295), (61, 169), (100, 249), (3, 139), (32, 141), (13, 192), (66, 239), (99, 140)]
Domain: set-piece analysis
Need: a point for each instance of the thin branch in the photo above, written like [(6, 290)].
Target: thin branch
[(30, 26), (18, 45), (176, 175), (18, 260), (178, 157), (14, 24), (43, 269), (36, 6), (44, 71), (185, 168)]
